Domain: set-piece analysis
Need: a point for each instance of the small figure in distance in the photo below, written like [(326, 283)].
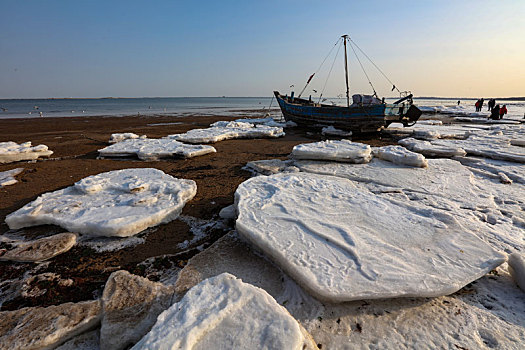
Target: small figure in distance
[(491, 104), (502, 111), (481, 103), (459, 102), (41, 114), (477, 105), (495, 113)]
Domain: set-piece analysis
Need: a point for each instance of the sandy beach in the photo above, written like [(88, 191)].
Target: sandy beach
[(75, 142)]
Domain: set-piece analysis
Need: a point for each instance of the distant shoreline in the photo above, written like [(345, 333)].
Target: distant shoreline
[(241, 97)]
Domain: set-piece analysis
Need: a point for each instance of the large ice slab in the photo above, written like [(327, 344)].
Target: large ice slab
[(514, 171), (341, 151), (431, 150), (154, 149), (222, 312), (8, 177), (116, 203), (331, 131), (222, 130), (13, 152), (346, 243), (400, 155)]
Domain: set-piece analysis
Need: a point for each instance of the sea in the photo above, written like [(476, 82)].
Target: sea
[(202, 106)]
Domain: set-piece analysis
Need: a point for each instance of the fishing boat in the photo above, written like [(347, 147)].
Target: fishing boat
[(366, 113)]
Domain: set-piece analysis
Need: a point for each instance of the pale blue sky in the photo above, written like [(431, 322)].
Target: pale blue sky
[(243, 48)]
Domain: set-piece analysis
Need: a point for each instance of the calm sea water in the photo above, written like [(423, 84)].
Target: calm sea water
[(233, 106)]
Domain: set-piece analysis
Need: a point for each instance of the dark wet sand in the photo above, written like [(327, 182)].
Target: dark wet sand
[(75, 142)]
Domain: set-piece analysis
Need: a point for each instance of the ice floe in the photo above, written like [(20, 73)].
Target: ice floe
[(46, 328), (223, 130), (514, 171), (131, 305), (222, 312), (116, 203), (269, 166), (119, 137), (331, 131), (431, 150), (517, 269), (487, 313), (336, 150), (13, 152), (154, 149), (8, 177), (39, 249), (486, 121), (265, 121), (346, 243), (400, 155)]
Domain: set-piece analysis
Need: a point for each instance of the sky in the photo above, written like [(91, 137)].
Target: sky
[(250, 48)]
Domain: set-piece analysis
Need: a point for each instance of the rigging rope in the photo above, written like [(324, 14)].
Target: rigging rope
[(380, 71), (363, 68), (330, 72)]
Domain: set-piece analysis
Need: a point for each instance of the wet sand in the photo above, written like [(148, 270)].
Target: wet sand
[(75, 142)]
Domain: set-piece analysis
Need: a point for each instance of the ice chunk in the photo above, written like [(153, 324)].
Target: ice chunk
[(117, 203), (154, 149), (330, 130), (119, 137), (131, 305), (346, 243), (400, 155), (223, 130), (46, 328), (517, 269), (268, 166), (430, 150), (8, 177), (40, 249), (341, 151), (515, 171), (222, 312), (13, 152), (487, 146)]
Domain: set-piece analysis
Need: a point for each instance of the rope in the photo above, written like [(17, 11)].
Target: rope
[(380, 71), (330, 72), (363, 68)]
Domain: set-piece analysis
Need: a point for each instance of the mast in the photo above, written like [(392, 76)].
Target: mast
[(346, 73)]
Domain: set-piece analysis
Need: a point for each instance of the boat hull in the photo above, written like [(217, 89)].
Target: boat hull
[(356, 119)]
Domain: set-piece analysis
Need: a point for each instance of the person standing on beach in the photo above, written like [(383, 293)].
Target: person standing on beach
[(477, 106), (491, 104), (459, 102), (495, 113), (502, 111), (481, 104)]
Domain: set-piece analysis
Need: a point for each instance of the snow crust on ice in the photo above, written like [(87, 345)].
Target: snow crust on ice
[(489, 209), (330, 130), (14, 152), (400, 155), (8, 177), (116, 203), (346, 243), (154, 149), (336, 150), (517, 269), (488, 313), (224, 130), (431, 150), (222, 312), (514, 171), (486, 121), (118, 137)]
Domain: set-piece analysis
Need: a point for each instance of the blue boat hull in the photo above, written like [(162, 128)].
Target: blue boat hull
[(354, 118)]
